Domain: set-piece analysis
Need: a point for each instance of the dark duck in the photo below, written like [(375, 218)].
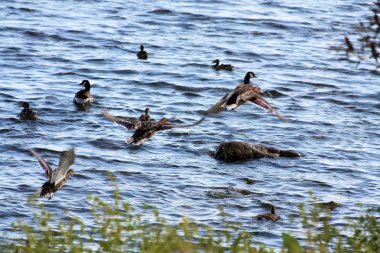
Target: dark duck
[(144, 127), (142, 54), (272, 216), (84, 97), (27, 113), (58, 177), (218, 66), (244, 92)]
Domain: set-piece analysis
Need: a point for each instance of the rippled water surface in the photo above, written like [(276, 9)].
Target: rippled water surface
[(332, 107)]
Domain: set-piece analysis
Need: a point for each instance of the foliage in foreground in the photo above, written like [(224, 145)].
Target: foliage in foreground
[(117, 227)]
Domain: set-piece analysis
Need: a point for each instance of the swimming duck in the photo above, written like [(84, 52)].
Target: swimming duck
[(84, 97), (234, 151), (221, 66), (58, 177), (27, 113), (269, 216), (142, 54), (144, 129), (242, 93), (145, 116)]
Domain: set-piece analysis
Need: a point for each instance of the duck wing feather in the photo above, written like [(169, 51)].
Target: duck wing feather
[(48, 170), (66, 160), (124, 122)]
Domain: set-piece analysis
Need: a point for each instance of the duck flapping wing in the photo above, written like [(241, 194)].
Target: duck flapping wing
[(43, 164), (66, 160), (128, 123), (263, 104)]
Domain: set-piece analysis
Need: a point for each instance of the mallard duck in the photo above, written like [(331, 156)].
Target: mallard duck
[(144, 129), (27, 113), (218, 66), (234, 151), (244, 92), (269, 216), (142, 54), (84, 97), (145, 116), (58, 177)]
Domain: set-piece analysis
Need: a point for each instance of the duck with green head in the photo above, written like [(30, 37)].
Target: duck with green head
[(58, 177), (272, 216)]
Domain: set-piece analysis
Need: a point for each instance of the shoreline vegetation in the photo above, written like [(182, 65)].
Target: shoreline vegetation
[(117, 227)]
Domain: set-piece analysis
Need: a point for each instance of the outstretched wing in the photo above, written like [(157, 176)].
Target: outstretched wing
[(66, 160), (43, 164), (129, 124), (262, 103), (219, 106)]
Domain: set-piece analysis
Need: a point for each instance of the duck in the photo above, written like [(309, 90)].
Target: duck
[(244, 92), (147, 130), (27, 113), (218, 66), (58, 177), (144, 129), (84, 97), (142, 54), (235, 151), (145, 116), (272, 216)]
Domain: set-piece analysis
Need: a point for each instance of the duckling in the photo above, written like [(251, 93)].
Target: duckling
[(84, 97), (242, 93), (27, 113), (142, 54), (58, 177), (222, 66), (145, 116), (144, 129), (269, 216)]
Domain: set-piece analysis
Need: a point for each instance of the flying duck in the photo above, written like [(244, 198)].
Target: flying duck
[(242, 93), (27, 113), (58, 177), (269, 216), (142, 54), (84, 97), (144, 129), (218, 66)]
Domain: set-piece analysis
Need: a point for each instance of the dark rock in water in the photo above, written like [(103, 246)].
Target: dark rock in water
[(239, 151)]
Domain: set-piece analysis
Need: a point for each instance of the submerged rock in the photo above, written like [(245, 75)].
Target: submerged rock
[(239, 151)]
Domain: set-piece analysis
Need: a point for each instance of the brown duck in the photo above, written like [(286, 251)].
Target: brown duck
[(269, 216), (84, 97), (234, 151), (142, 54), (218, 66), (243, 93), (27, 113), (58, 177), (144, 130)]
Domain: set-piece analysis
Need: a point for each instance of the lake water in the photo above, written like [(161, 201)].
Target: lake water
[(332, 106)]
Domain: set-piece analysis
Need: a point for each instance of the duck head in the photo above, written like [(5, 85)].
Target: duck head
[(25, 105), (141, 48), (248, 76), (147, 110), (273, 210), (216, 62), (86, 85)]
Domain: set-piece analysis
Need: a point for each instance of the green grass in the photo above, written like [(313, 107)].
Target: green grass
[(117, 227)]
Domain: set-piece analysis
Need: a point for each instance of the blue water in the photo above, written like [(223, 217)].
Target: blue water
[(332, 106)]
